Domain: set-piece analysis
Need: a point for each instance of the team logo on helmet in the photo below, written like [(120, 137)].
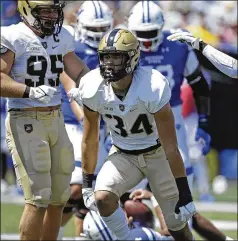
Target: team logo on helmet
[(123, 43)]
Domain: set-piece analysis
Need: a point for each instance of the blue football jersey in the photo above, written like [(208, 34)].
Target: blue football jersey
[(90, 58), (142, 233), (173, 60)]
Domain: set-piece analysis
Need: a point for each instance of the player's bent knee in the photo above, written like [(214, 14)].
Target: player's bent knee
[(104, 199), (42, 200), (174, 224), (168, 207)]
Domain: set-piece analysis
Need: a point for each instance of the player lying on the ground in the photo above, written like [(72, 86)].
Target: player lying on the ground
[(221, 61), (141, 194), (140, 219)]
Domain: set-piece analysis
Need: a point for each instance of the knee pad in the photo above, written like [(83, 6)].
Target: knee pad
[(174, 224), (44, 197), (167, 207)]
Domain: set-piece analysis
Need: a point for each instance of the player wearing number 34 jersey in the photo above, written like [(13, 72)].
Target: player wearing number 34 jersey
[(134, 102), (34, 54)]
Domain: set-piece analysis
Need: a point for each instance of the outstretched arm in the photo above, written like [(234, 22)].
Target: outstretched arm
[(221, 61)]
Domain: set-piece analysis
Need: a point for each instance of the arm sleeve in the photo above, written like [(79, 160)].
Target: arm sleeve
[(161, 94), (221, 61)]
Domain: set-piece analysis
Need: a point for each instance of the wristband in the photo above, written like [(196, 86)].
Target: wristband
[(154, 202), (27, 92), (202, 45), (87, 180), (182, 184)]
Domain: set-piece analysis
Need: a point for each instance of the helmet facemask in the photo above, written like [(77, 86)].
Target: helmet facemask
[(149, 40), (93, 35), (47, 25), (110, 70)]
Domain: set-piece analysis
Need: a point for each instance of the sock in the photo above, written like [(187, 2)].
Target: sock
[(228, 238), (117, 223), (61, 233)]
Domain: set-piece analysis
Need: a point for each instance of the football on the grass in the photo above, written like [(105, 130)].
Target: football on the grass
[(135, 208)]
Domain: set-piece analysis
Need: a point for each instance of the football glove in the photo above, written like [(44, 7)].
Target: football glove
[(204, 138), (74, 94), (185, 207), (42, 93), (89, 199), (202, 135), (187, 38)]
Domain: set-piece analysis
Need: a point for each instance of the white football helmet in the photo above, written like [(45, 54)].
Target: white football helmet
[(146, 21), (93, 21), (94, 227)]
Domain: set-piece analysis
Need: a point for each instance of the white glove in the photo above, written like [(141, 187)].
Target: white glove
[(74, 94), (42, 93), (186, 212), (185, 37), (89, 199)]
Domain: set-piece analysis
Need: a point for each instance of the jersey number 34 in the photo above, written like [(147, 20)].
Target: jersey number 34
[(142, 119)]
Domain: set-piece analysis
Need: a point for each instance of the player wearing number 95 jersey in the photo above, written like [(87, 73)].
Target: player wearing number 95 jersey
[(34, 54), (134, 102)]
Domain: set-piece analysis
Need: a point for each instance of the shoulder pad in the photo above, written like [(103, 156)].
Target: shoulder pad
[(13, 38), (90, 84)]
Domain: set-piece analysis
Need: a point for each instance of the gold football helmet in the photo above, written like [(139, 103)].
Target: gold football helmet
[(120, 42), (31, 10)]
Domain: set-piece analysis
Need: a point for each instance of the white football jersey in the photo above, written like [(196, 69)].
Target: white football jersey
[(38, 61), (131, 121)]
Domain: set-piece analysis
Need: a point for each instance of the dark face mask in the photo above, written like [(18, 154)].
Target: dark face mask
[(109, 70), (48, 25)]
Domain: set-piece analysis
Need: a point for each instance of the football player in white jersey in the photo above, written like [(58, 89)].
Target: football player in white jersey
[(34, 54), (134, 102)]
